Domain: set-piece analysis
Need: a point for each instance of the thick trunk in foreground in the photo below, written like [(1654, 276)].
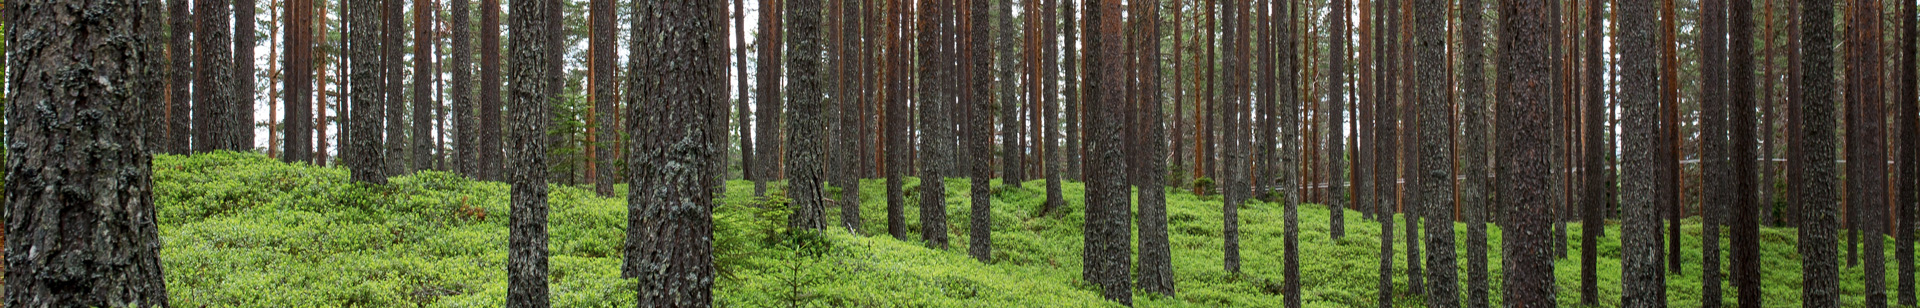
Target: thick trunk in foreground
[(806, 181), (1435, 164), (99, 246), (1642, 277), (530, 89), (1524, 145), (366, 78), (1820, 218), (1744, 203), (671, 230), (1107, 196)]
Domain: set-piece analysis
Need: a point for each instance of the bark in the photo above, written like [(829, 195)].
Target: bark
[(213, 73), (852, 124), (749, 170), (1156, 251), (490, 88), (1008, 88), (1642, 276), (393, 32), (423, 100), (1384, 169), (1909, 152), (671, 230), (530, 89), (978, 66), (1713, 144), (1745, 205), (466, 136), (768, 89), (179, 100), (1595, 194), (239, 119), (1230, 139), (896, 124), (95, 241), (1070, 78), (606, 135), (1288, 162), (936, 144), (1867, 179), (1435, 165), (320, 157), (1819, 217), (1336, 160), (298, 145), (1107, 196), (806, 183), (1524, 142), (1051, 158), (1474, 190), (367, 78), (1409, 150)]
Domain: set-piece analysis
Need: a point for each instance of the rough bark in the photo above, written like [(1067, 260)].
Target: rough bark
[(298, 146), (95, 240), (768, 88), (1070, 88), (1409, 149), (1156, 251), (1230, 137), (423, 100), (1819, 216), (749, 170), (239, 119), (1642, 276), (852, 123), (806, 182), (1594, 190), (1435, 149), (1288, 165), (1671, 188), (936, 142), (1474, 190), (1107, 196), (466, 137), (1523, 142), (606, 133), (1713, 144), (179, 100), (1867, 180), (896, 123), (1050, 156), (490, 88), (394, 38), (1909, 152), (213, 73), (1336, 77), (1008, 88), (367, 78), (670, 230), (978, 66), (530, 89), (1744, 203)]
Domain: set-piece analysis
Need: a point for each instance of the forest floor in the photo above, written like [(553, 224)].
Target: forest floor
[(244, 230)]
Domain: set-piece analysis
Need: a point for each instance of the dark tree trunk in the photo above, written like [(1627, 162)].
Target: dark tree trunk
[(1474, 190), (978, 66), (748, 169), (299, 83), (1524, 141), (1230, 138), (1409, 150), (490, 87), (1909, 152), (99, 246), (1156, 252), (363, 153), (1107, 196), (1745, 204), (852, 124), (1595, 191), (936, 145), (1264, 132), (806, 181), (1049, 109), (1642, 276), (1436, 188), (240, 109), (670, 231), (394, 34), (423, 100), (1819, 219), (1713, 143), (1071, 89), (1336, 77), (896, 123), (465, 135), (1008, 88), (1867, 179), (213, 75), (179, 101), (1671, 188), (530, 88), (768, 88), (1288, 164), (1385, 193)]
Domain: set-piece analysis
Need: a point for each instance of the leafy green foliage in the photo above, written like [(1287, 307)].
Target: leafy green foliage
[(247, 231)]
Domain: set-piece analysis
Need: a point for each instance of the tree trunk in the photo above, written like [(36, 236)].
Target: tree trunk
[(530, 90), (978, 72), (1474, 191), (806, 184), (1108, 195), (299, 83), (423, 100), (490, 87), (1713, 143), (1909, 152), (896, 123), (465, 135), (1156, 252), (1642, 277), (748, 169), (179, 100), (1867, 176), (213, 73), (936, 145), (1745, 204), (1672, 188), (1229, 185), (1524, 142), (672, 230), (363, 155), (1070, 87), (394, 34), (240, 111), (768, 119), (1594, 192), (1819, 217), (1336, 159), (852, 127), (1049, 109), (1435, 165)]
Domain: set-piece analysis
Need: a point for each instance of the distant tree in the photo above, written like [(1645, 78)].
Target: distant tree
[(896, 121), (1049, 108), (1156, 252), (1713, 143), (1523, 140), (1745, 205), (213, 75), (298, 146), (1819, 217), (1384, 158), (768, 83), (181, 76), (366, 80), (1336, 61), (1408, 146), (806, 183), (107, 229), (1005, 71), (606, 94), (1231, 136), (239, 119), (1595, 191), (392, 46), (1070, 87), (1669, 143), (671, 237), (1909, 151), (466, 137), (1108, 194), (1866, 198), (490, 88), (1435, 150), (852, 102), (748, 169), (423, 101), (978, 69)]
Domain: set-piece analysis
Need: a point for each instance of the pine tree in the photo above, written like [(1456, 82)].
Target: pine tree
[(768, 83), (423, 100), (239, 119), (490, 88), (1669, 143), (1288, 165), (853, 129), (1070, 88), (179, 100), (1474, 190), (466, 137), (1108, 194), (1909, 152), (978, 67), (1713, 143), (366, 78), (606, 133), (393, 34), (1435, 149), (896, 121), (117, 245), (1156, 251), (1385, 119), (1819, 217), (530, 89), (1594, 192), (749, 169), (299, 82), (1230, 139), (1051, 158), (1336, 159), (213, 73), (1524, 93), (806, 183), (1866, 196), (1642, 276), (1745, 205), (672, 230)]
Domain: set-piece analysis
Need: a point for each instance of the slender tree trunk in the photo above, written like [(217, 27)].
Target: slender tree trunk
[(179, 100), (423, 100), (239, 119), (896, 124), (1713, 143), (1385, 193), (1595, 182), (394, 34), (1672, 189), (1474, 191), (1051, 156), (768, 88), (1909, 102), (466, 137), (852, 128), (1745, 206), (1070, 87), (490, 87), (1866, 179), (1819, 219), (68, 246), (1156, 251), (299, 82), (978, 69), (1410, 202), (1230, 139), (1336, 159), (606, 133)]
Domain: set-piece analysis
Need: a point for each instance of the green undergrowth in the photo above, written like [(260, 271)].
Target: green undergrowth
[(245, 230)]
